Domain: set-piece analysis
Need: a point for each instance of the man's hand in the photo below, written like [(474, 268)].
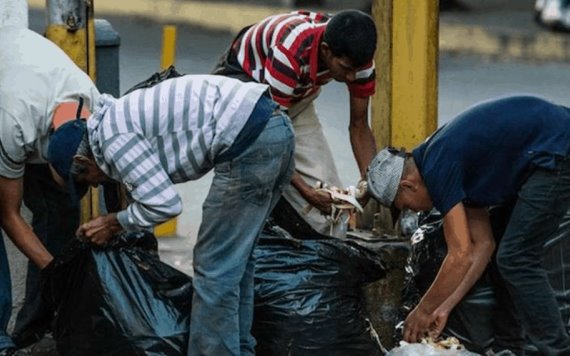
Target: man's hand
[(100, 230), (320, 200), (440, 320), (417, 325), (362, 194)]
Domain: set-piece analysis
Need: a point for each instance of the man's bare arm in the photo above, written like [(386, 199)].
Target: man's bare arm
[(483, 247), (452, 273), (361, 137), (17, 229)]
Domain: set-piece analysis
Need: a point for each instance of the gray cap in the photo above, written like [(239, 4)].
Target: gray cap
[(384, 174)]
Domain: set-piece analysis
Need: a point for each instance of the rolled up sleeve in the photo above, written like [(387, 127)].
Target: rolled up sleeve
[(12, 147)]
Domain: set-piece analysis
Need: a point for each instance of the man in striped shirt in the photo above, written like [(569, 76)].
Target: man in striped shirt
[(174, 132), (295, 54)]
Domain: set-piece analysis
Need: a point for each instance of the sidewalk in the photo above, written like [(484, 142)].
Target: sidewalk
[(495, 28)]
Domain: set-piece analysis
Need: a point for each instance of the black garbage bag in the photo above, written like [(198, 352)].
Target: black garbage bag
[(485, 317), (557, 264), (119, 300), (308, 296), (155, 78), (471, 321)]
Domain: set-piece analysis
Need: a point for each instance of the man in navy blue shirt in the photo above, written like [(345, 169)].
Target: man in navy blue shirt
[(511, 150)]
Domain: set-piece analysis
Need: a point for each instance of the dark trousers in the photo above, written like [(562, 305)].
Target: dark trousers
[(536, 216), (54, 221), (5, 297)]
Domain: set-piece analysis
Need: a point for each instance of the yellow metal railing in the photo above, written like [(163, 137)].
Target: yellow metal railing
[(168, 56)]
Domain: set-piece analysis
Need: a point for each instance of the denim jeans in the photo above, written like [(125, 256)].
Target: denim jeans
[(541, 204), (54, 222), (243, 192), (5, 297)]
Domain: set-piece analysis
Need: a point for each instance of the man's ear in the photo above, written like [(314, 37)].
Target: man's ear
[(84, 160), (408, 184), (325, 49)]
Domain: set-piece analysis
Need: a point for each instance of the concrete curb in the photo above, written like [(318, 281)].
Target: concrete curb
[(502, 43)]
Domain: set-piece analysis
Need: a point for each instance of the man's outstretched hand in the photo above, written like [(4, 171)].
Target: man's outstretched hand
[(99, 230)]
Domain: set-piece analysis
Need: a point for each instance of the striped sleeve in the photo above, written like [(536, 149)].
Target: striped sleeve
[(365, 83), (282, 72), (153, 193)]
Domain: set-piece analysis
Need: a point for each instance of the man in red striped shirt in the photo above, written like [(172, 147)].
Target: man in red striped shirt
[(297, 53)]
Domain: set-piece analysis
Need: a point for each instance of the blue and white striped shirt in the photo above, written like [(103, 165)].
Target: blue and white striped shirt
[(153, 138)]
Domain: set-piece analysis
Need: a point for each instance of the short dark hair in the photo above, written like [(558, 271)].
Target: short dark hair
[(352, 34)]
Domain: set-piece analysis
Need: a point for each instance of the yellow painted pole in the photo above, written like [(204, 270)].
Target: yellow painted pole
[(381, 102), (414, 71), (167, 59), (71, 26), (404, 109), (168, 46), (404, 113), (94, 193)]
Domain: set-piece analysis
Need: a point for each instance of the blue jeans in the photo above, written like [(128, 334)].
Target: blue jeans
[(243, 192), (5, 297), (541, 204), (54, 222)]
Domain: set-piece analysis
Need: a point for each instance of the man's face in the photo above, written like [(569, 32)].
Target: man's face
[(92, 176), (340, 68), (414, 197)]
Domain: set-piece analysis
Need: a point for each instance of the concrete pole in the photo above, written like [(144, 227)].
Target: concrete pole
[(14, 13), (72, 27)]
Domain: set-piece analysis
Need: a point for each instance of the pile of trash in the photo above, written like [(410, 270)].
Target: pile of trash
[(309, 298), (428, 347), (119, 299)]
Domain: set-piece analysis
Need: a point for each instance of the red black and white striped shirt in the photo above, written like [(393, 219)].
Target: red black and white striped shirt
[(282, 51)]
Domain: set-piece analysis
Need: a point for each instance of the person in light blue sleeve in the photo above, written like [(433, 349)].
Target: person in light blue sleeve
[(174, 132)]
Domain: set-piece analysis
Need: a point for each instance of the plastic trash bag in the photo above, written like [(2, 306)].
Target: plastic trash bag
[(155, 78), (471, 321), (119, 300), (308, 296), (418, 349), (481, 320)]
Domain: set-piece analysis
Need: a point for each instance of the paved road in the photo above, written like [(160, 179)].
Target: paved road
[(463, 81)]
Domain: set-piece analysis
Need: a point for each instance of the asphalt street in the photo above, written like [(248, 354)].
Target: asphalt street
[(463, 81)]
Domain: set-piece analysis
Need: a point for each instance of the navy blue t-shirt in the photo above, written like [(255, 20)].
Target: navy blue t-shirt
[(482, 157)]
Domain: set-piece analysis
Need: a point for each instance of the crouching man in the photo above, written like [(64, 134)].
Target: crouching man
[(513, 150), (175, 132)]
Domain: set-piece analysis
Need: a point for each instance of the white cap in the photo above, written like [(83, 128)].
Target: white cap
[(384, 174)]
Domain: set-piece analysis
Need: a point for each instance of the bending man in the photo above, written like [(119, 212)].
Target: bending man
[(175, 132), (513, 150), (296, 54), (40, 88)]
